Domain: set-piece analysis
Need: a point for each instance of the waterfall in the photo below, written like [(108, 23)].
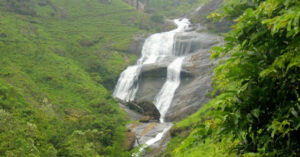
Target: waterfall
[(127, 85), (164, 98), (157, 48), (152, 141)]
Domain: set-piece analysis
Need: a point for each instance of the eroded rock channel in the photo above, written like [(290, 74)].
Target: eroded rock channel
[(170, 81)]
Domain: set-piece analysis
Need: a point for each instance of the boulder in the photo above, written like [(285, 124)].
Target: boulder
[(149, 109), (146, 108)]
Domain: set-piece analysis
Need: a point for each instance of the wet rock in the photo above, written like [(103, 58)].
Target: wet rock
[(149, 109), (145, 108), (146, 119), (152, 78), (147, 131), (193, 91), (196, 75), (188, 42)]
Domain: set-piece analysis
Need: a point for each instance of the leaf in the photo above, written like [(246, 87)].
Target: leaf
[(294, 112), (255, 112)]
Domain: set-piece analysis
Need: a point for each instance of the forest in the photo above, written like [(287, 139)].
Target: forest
[(60, 61)]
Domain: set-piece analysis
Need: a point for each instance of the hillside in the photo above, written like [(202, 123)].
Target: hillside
[(58, 60), (192, 93)]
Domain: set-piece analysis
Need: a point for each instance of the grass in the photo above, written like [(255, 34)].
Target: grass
[(61, 58), (195, 136)]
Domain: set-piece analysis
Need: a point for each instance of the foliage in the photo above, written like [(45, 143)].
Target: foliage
[(157, 18), (259, 78), (56, 64), (173, 8)]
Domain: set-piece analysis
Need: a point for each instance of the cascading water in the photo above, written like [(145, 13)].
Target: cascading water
[(157, 48), (127, 85), (164, 98)]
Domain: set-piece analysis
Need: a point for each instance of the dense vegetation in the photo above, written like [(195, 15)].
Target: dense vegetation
[(59, 62), (58, 58), (257, 112)]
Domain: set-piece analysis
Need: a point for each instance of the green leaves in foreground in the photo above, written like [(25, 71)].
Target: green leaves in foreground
[(263, 70), (259, 80)]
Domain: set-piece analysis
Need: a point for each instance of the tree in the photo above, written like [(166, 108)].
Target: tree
[(261, 76)]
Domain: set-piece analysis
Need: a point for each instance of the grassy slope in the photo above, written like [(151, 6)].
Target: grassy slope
[(190, 136), (55, 57), (172, 8)]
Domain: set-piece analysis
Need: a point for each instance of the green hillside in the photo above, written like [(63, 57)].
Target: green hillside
[(58, 58), (172, 8)]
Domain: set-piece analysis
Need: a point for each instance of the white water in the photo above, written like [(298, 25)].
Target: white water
[(152, 141), (127, 85), (157, 48), (164, 98)]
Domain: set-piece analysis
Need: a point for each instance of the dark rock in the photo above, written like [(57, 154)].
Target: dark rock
[(134, 106), (145, 108), (149, 109), (151, 79)]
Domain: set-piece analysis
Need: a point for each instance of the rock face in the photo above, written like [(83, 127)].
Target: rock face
[(195, 84), (146, 131), (151, 80), (196, 75), (193, 90)]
